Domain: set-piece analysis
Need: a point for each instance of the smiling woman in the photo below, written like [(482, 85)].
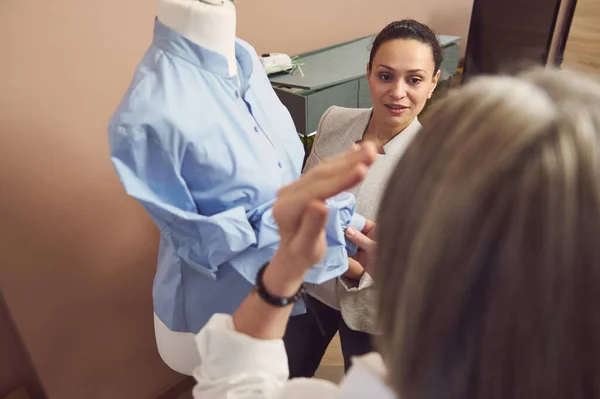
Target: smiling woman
[(403, 72)]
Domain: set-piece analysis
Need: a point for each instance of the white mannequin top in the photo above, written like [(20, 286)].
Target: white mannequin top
[(209, 23), (212, 25)]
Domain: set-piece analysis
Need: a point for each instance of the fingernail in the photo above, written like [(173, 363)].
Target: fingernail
[(350, 231)]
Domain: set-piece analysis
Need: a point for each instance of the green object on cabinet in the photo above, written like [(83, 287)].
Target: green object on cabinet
[(336, 75)]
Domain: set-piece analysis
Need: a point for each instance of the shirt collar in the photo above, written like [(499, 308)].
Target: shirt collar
[(173, 43), (361, 125)]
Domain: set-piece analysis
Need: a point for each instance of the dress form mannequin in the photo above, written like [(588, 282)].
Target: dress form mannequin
[(210, 24), (202, 141)]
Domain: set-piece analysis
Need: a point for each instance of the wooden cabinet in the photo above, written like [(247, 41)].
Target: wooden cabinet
[(582, 50)]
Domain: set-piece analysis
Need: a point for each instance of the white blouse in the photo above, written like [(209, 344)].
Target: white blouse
[(236, 366)]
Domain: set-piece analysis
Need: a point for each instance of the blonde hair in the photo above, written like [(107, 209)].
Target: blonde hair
[(489, 250)]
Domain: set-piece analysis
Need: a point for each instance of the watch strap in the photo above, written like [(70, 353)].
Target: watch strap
[(271, 299)]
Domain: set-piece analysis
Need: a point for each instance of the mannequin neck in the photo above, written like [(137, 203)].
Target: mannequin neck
[(211, 26)]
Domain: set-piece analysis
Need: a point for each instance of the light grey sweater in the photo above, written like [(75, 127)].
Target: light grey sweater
[(338, 130)]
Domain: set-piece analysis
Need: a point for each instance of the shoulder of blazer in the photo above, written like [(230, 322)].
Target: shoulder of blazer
[(342, 117), (338, 124)]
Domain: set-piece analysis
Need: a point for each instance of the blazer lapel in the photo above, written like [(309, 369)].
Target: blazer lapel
[(358, 130)]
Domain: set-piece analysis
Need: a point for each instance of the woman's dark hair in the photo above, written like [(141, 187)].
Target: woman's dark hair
[(409, 29)]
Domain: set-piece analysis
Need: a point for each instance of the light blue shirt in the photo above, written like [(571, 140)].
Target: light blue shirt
[(206, 159)]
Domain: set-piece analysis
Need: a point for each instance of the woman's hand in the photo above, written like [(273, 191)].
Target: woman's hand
[(301, 215), (366, 243), (355, 270)]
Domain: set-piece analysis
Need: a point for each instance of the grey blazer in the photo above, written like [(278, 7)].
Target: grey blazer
[(339, 128)]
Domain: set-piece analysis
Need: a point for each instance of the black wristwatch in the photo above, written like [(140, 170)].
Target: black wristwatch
[(272, 299)]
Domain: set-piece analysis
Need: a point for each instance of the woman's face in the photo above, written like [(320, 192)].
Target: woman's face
[(401, 81)]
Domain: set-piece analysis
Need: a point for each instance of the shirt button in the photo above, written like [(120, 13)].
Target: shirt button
[(279, 164), (256, 129)]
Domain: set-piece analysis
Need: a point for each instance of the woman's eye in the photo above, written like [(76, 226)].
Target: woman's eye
[(385, 77), (414, 81)]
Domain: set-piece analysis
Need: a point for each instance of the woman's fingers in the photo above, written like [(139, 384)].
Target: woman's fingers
[(370, 229), (335, 175), (316, 186), (355, 269), (361, 240), (310, 240), (341, 173)]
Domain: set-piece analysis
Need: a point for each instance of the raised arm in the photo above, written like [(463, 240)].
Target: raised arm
[(243, 356)]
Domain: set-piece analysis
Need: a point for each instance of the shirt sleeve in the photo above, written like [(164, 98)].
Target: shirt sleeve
[(341, 215), (236, 366), (152, 175)]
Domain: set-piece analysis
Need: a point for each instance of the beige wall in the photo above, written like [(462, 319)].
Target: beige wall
[(77, 256), (293, 26)]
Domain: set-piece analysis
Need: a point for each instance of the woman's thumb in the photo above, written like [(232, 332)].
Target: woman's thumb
[(358, 238)]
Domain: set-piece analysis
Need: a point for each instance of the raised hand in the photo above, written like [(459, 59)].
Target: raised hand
[(301, 215), (300, 210)]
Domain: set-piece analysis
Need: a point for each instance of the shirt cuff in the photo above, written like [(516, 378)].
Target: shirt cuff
[(358, 222), (225, 352)]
